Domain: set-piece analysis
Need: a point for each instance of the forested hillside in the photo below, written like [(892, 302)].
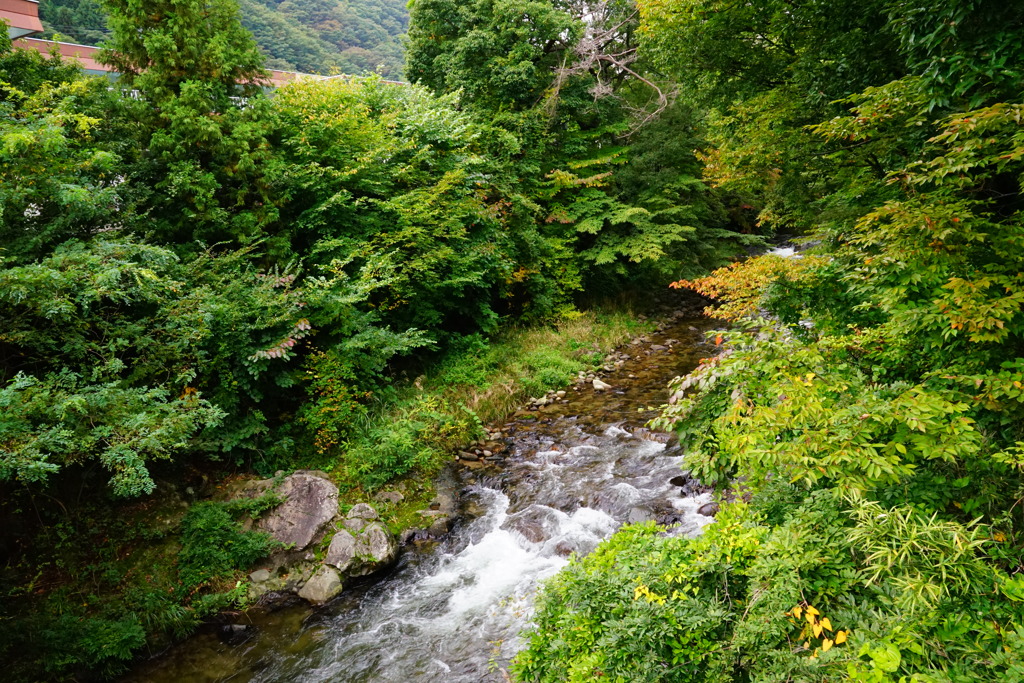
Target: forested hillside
[(311, 36)]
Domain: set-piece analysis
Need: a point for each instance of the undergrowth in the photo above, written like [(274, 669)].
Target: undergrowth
[(104, 580), (477, 382)]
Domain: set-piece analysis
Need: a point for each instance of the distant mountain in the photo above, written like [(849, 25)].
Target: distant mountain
[(314, 36)]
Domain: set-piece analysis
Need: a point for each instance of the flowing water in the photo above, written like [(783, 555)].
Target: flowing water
[(452, 611)]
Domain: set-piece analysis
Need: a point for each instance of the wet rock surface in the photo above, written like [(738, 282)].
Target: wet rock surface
[(308, 514), (360, 550), (323, 586)]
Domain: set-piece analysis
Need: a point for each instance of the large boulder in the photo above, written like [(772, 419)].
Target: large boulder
[(359, 516), (377, 548), (323, 586), (342, 551), (310, 503), (363, 546)]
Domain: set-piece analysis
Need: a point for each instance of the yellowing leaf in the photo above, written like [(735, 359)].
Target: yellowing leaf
[(826, 624), (817, 630), (811, 610), (840, 637), (797, 611), (826, 645)]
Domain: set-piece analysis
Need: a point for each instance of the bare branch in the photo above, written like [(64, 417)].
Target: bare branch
[(606, 52)]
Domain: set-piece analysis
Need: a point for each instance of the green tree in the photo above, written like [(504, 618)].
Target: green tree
[(157, 47), (80, 21), (562, 79), (501, 53), (200, 119), (763, 72), (873, 424), (57, 181)]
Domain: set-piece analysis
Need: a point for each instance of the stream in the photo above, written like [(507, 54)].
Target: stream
[(452, 611)]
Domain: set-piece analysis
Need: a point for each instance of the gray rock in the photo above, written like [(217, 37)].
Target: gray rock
[(364, 553), (324, 585), (601, 386), (363, 511), (342, 551), (393, 497), (260, 575), (444, 500), (639, 514), (359, 516), (708, 509), (376, 547), (310, 503)]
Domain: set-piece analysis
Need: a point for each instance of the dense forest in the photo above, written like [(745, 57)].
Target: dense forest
[(201, 278), (863, 420), (354, 37)]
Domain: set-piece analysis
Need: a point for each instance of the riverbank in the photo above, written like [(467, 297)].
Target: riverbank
[(100, 583), (566, 471)]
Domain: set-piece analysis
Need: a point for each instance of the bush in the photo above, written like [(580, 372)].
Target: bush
[(213, 547)]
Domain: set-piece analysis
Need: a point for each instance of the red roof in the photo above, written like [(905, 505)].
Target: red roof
[(86, 54), (21, 14)]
